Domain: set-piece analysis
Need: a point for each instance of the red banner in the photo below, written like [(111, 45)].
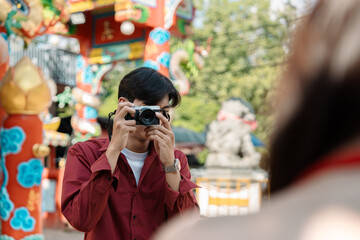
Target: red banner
[(107, 31)]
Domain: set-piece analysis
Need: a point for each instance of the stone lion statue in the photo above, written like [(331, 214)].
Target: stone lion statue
[(228, 138)]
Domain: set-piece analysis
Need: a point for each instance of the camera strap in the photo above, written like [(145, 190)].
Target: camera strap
[(109, 125)]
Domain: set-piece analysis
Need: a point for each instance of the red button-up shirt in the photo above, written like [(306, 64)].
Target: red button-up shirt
[(112, 206)]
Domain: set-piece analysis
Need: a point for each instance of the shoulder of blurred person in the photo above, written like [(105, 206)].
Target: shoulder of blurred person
[(315, 148), (322, 206)]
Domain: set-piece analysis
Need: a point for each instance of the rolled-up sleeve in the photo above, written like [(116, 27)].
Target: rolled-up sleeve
[(86, 188), (178, 202)]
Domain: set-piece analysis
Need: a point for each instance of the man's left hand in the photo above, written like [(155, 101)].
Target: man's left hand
[(163, 139)]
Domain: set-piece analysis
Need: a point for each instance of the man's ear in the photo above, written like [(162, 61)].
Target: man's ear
[(122, 99)]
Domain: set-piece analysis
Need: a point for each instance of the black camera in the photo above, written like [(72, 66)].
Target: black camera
[(145, 115)]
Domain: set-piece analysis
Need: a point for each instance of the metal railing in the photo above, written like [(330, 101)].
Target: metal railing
[(230, 196), (56, 64)]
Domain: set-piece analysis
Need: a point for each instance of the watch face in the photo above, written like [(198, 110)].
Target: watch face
[(173, 168), (177, 164)]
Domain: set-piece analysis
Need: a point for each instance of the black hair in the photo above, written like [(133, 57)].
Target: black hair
[(326, 117), (147, 85)]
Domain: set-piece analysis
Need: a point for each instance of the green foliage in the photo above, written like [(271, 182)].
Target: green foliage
[(249, 42), (66, 103), (247, 51), (195, 112), (109, 104), (202, 156), (190, 69), (110, 86)]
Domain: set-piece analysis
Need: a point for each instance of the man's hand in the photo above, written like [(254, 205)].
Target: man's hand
[(164, 142), (163, 138), (120, 133)]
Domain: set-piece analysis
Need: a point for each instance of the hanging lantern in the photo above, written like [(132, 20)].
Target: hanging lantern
[(127, 28)]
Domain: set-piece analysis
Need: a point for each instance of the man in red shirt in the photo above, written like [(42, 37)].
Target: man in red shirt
[(126, 187)]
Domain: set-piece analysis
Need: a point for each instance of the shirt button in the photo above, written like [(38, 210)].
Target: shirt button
[(131, 172), (134, 217)]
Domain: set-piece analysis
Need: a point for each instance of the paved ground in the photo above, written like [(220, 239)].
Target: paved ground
[(58, 234)]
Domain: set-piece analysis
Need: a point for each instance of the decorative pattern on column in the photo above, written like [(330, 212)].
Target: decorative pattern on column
[(157, 50), (85, 94), (24, 94)]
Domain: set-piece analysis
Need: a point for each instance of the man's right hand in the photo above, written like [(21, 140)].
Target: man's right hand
[(120, 133)]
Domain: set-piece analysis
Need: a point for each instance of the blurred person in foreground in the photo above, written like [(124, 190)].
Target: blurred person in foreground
[(125, 187), (315, 150)]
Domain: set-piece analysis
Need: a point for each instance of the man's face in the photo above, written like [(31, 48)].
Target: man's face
[(139, 134)]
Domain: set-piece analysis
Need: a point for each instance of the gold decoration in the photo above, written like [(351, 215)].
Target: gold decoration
[(40, 150), (34, 200), (108, 32), (136, 50), (53, 124), (124, 10), (81, 6), (62, 163), (23, 89)]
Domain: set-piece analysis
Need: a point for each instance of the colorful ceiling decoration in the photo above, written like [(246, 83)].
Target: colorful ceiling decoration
[(31, 18)]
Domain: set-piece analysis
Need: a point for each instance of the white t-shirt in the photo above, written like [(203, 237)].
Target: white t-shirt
[(136, 162)]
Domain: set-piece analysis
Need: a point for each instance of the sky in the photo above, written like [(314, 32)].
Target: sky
[(279, 4), (300, 4), (275, 4)]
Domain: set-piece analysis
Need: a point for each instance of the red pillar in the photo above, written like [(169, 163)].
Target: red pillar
[(24, 94), (157, 50), (22, 180)]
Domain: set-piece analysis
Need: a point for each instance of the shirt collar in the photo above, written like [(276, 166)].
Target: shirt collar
[(106, 144)]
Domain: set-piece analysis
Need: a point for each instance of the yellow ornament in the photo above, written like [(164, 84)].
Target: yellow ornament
[(40, 150), (24, 90), (136, 50)]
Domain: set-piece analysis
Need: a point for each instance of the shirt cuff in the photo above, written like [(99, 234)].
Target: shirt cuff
[(101, 164), (171, 196)]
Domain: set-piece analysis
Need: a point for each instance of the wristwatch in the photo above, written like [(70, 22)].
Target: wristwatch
[(173, 168)]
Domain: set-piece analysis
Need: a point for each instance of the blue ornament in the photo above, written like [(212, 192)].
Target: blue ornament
[(6, 205), (160, 36), (29, 173), (90, 113), (151, 64), (6, 237), (22, 220), (34, 237), (11, 140), (164, 59), (80, 63), (88, 75)]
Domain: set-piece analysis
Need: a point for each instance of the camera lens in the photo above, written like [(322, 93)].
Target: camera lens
[(148, 117)]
